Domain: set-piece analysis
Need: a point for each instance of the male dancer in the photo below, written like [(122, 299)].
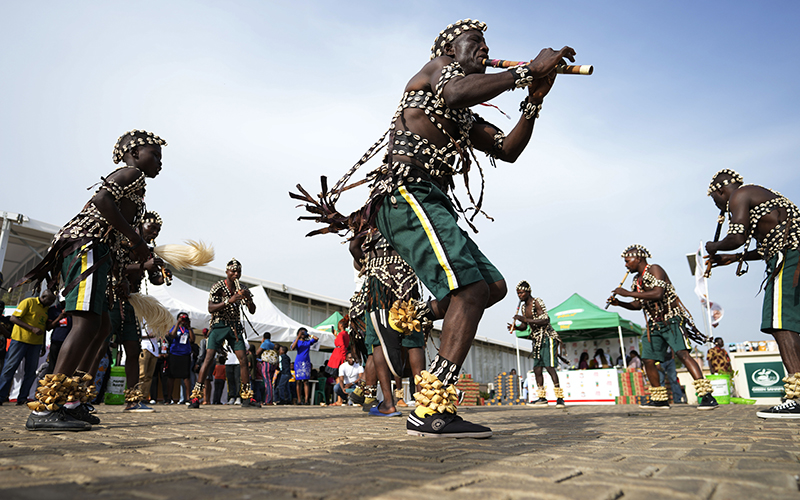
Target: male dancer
[(431, 139), (83, 253), (546, 342), (223, 304), (773, 221), (124, 326), (389, 285), (668, 324)]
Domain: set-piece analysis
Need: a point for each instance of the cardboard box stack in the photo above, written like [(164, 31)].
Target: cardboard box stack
[(470, 389), (633, 386), (506, 391)]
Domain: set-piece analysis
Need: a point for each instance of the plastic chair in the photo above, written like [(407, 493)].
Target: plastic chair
[(320, 390)]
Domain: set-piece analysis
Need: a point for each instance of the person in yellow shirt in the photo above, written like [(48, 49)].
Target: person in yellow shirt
[(27, 343)]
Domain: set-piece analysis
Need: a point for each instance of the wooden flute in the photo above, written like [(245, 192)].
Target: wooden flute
[(720, 221), (564, 69), (608, 302)]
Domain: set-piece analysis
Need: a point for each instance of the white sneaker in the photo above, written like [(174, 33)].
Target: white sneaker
[(230, 401), (238, 401)]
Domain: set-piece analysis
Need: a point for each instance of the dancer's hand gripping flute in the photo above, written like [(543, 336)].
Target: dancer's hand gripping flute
[(613, 295)]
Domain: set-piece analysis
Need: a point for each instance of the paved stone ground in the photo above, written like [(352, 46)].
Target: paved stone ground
[(592, 452)]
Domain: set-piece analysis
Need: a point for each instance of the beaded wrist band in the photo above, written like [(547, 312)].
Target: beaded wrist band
[(529, 110), (521, 78)]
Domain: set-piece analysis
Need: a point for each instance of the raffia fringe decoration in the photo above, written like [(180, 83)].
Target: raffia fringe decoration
[(197, 391), (133, 395), (659, 393), (182, 256), (541, 392), (702, 387), (559, 392), (150, 309), (55, 390), (791, 386), (433, 394), (246, 392), (403, 316)]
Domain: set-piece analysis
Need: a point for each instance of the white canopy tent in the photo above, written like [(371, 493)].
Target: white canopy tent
[(180, 296)]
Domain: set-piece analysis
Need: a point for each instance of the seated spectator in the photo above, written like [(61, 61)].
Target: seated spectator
[(583, 363), (718, 359), (349, 373), (635, 361), (600, 360)]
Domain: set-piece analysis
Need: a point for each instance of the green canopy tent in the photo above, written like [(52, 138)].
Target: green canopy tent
[(330, 324), (577, 319)]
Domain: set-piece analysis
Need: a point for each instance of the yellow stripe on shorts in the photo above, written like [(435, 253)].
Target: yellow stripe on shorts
[(437, 246), (83, 303), (777, 299)]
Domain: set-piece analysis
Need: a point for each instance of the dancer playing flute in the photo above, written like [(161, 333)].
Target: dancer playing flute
[(773, 221), (226, 326), (124, 325), (533, 317), (431, 140), (668, 324)]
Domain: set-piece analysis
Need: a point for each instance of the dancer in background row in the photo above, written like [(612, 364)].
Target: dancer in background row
[(668, 324)]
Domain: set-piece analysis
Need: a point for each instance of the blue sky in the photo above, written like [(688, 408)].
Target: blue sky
[(255, 97)]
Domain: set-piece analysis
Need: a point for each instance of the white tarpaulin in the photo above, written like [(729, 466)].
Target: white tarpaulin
[(181, 296)]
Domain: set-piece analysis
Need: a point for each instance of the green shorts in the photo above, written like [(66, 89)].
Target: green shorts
[(89, 295), (220, 332), (420, 223), (663, 334), (781, 310), (548, 354), (371, 339), (126, 330)]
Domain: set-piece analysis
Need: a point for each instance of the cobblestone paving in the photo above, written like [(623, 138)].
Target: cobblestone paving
[(591, 452)]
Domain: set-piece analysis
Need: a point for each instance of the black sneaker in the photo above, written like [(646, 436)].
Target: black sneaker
[(540, 402), (194, 403), (81, 412), (369, 403), (788, 409), (250, 403), (357, 399), (390, 341), (445, 425), (56, 421), (560, 403), (708, 403), (657, 405)]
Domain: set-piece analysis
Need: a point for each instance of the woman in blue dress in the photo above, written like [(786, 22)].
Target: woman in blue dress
[(302, 364)]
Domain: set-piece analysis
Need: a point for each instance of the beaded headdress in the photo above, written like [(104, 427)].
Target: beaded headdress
[(152, 217), (233, 265), (734, 177), (636, 251), (524, 286), (130, 140), (451, 32)]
